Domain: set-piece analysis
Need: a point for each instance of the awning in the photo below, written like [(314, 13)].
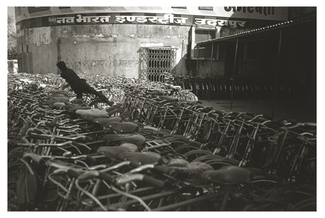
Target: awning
[(267, 32), (276, 31)]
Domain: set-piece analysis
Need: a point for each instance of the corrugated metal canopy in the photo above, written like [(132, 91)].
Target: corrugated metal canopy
[(267, 32)]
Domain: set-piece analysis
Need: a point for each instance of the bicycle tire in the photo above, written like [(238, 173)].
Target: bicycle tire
[(204, 158), (215, 164), (306, 205), (13, 176), (179, 149), (189, 155)]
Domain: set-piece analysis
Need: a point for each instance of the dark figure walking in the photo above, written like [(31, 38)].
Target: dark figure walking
[(78, 85)]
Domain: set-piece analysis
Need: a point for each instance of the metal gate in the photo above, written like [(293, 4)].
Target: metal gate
[(153, 61)]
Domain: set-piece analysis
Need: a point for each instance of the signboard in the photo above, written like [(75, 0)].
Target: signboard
[(110, 18), (229, 12), (169, 19), (258, 13)]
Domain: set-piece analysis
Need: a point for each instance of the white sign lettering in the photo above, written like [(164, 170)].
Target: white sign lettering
[(219, 22), (166, 19)]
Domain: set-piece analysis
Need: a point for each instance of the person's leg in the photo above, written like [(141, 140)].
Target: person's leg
[(88, 89), (79, 95)]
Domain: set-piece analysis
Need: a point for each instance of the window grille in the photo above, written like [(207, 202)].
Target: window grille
[(154, 61)]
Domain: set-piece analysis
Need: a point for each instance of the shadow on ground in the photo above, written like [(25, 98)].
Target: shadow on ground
[(283, 110)]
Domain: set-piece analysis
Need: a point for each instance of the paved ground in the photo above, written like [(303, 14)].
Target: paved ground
[(302, 112)]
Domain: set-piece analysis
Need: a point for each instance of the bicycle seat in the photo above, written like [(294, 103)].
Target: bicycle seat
[(124, 127), (247, 116), (113, 151), (207, 109), (194, 143), (59, 99), (136, 139), (219, 112), (106, 120), (58, 93), (191, 172), (194, 168), (113, 107), (153, 129), (130, 146), (59, 104), (91, 117), (168, 98), (116, 110), (172, 138), (74, 107), (160, 132), (261, 119), (227, 175), (141, 157), (177, 162), (95, 112), (310, 124)]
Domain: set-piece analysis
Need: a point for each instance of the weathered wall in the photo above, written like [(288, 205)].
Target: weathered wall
[(214, 68), (41, 46), (12, 66), (101, 49), (106, 40), (204, 68)]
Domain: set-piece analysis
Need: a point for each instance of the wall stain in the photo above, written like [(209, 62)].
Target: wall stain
[(103, 64), (58, 48)]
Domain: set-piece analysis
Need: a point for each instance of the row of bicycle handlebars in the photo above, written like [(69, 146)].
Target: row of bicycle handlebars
[(154, 152)]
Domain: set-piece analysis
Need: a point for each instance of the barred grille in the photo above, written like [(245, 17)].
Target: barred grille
[(155, 61)]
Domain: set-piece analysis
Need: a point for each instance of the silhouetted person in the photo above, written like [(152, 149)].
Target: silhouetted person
[(79, 86)]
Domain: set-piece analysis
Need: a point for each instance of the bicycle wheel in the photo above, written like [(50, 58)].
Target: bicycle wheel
[(191, 155), (160, 202), (306, 205), (270, 195), (14, 165), (185, 148), (13, 176)]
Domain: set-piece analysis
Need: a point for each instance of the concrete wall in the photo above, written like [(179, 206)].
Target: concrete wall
[(12, 66), (215, 68), (110, 49), (204, 68)]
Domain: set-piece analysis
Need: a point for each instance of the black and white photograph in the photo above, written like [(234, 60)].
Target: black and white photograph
[(161, 108)]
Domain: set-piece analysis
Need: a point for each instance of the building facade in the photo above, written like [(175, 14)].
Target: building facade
[(137, 42), (280, 56)]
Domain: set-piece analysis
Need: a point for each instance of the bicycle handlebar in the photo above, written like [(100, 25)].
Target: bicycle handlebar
[(19, 144), (107, 178), (302, 124), (152, 181), (116, 166), (71, 138), (37, 158), (139, 177), (163, 169), (74, 173), (119, 180), (88, 175), (142, 167), (310, 124), (44, 144)]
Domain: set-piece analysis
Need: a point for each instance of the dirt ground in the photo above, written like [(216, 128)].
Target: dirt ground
[(283, 110)]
